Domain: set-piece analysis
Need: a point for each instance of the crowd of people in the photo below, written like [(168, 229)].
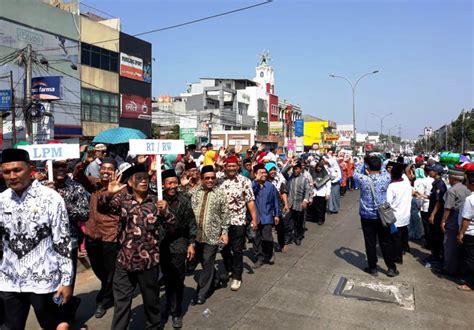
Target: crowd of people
[(214, 201)]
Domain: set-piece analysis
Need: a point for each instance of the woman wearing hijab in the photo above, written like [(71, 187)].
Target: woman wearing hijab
[(322, 191)]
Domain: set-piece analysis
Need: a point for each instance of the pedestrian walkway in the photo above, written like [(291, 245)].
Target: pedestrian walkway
[(297, 292)]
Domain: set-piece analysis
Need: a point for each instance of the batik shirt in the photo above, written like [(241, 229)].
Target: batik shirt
[(34, 233), (77, 206), (141, 231), (367, 205), (211, 211), (238, 192)]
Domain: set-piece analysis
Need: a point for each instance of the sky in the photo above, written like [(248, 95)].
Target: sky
[(422, 48)]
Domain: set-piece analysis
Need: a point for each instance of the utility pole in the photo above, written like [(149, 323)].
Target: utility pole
[(462, 131), (13, 109), (209, 128), (27, 61)]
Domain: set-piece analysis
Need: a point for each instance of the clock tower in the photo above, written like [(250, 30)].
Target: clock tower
[(264, 73)]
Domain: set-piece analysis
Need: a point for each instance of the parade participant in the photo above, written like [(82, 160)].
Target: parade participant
[(399, 195), (238, 190), (283, 229), (247, 168), (101, 232), (200, 160), (466, 235), (93, 169), (435, 211), (192, 174), (211, 209), (268, 215), (76, 199), (334, 170), (211, 156), (177, 245), (143, 221), (455, 197), (36, 264), (369, 175), (344, 174), (322, 192), (423, 184), (299, 194), (350, 172)]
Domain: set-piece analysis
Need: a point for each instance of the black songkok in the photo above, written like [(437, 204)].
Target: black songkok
[(15, 155)]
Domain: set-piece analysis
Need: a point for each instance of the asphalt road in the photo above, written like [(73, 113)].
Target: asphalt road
[(298, 291)]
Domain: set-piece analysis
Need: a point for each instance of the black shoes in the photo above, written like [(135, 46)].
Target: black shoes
[(177, 322), (320, 223), (298, 242), (198, 301), (392, 272), (257, 264), (100, 312), (272, 260), (371, 271)]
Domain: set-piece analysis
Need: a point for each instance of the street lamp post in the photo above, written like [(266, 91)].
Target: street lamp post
[(353, 87), (381, 120)]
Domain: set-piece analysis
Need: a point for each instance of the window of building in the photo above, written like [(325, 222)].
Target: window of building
[(99, 58), (99, 106)]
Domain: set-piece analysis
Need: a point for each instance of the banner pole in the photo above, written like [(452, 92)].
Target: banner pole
[(158, 178)]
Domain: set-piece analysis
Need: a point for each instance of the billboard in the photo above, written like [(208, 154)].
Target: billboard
[(136, 107), (132, 67), (5, 99), (46, 88), (299, 127), (275, 127)]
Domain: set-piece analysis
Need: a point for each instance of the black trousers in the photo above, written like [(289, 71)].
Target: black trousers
[(173, 266), (125, 283), (206, 254), (297, 218), (263, 242), (426, 228), (17, 307), (102, 256), (285, 230), (467, 252), (400, 242), (319, 209), (437, 237), (233, 253), (374, 230)]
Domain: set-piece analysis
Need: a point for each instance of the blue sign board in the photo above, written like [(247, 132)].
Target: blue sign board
[(299, 127), (5, 99), (46, 88)]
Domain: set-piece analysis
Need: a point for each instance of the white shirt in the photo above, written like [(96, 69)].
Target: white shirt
[(34, 231), (424, 186), (468, 213), (399, 195), (324, 190), (272, 157), (334, 170)]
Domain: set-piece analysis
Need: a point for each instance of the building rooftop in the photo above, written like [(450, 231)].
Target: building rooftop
[(310, 118), (242, 80)]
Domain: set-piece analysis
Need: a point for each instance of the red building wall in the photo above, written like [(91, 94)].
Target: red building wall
[(273, 107)]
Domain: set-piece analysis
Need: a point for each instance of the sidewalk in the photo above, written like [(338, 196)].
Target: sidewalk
[(297, 292)]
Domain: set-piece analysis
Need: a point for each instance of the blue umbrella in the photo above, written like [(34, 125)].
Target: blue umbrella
[(118, 135)]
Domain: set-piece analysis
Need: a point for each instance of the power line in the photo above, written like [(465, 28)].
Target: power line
[(229, 12)]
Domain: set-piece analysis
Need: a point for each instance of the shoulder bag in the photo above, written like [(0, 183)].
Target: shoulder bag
[(385, 210)]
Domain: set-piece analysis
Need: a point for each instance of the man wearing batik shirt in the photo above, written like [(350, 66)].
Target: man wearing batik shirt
[(101, 232), (34, 234), (239, 193), (143, 222), (77, 206), (177, 246), (211, 210)]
